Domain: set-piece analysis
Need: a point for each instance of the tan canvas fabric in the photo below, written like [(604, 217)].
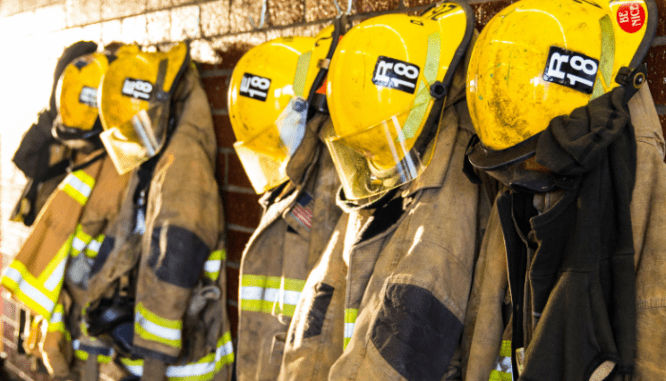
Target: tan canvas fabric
[(295, 227), (484, 326), (184, 229), (391, 288)]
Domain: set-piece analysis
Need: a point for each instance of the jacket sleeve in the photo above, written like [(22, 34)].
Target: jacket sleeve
[(182, 226), (36, 275)]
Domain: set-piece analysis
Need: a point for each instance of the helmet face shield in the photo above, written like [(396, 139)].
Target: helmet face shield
[(135, 102), (393, 160), (137, 140), (264, 161)]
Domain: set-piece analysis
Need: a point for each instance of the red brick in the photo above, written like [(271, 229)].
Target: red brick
[(285, 12), (232, 48), (235, 172), (661, 26), (233, 54), (364, 6), (236, 242), (216, 90), (223, 130), (233, 278), (221, 160), (233, 320), (656, 64), (9, 332), (485, 11), (9, 309), (242, 209)]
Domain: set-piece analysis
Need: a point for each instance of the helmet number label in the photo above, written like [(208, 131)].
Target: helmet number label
[(88, 96), (137, 88), (395, 74), (571, 69), (255, 87)]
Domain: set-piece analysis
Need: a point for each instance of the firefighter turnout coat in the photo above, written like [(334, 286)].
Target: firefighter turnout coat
[(486, 345), (387, 299)]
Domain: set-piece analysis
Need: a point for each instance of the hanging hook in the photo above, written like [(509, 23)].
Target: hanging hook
[(263, 16), (337, 7)]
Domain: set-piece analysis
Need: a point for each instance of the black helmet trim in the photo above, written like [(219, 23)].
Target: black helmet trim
[(491, 160)]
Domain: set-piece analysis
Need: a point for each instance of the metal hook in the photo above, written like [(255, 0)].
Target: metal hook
[(263, 16), (337, 7)]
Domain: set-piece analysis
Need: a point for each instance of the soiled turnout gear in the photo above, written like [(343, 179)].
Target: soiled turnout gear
[(566, 219), (75, 214), (488, 329), (388, 81), (297, 222), (152, 265), (298, 219), (388, 296), (39, 156)]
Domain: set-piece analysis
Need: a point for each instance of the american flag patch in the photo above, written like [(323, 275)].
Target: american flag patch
[(303, 210)]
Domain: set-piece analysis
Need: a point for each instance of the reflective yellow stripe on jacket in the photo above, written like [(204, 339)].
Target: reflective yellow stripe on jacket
[(104, 355), (80, 241), (214, 264), (350, 321), (57, 323), (152, 327), (78, 185), (40, 293), (270, 294), (93, 246), (202, 370), (503, 370)]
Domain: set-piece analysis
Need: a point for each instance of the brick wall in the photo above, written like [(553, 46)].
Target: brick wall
[(34, 32)]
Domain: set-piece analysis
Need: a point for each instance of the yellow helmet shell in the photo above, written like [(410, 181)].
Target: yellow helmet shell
[(384, 68), (263, 82), (267, 103), (131, 79), (76, 91), (384, 78), (539, 59)]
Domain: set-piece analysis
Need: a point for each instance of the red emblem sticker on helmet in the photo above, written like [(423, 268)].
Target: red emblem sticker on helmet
[(631, 17)]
